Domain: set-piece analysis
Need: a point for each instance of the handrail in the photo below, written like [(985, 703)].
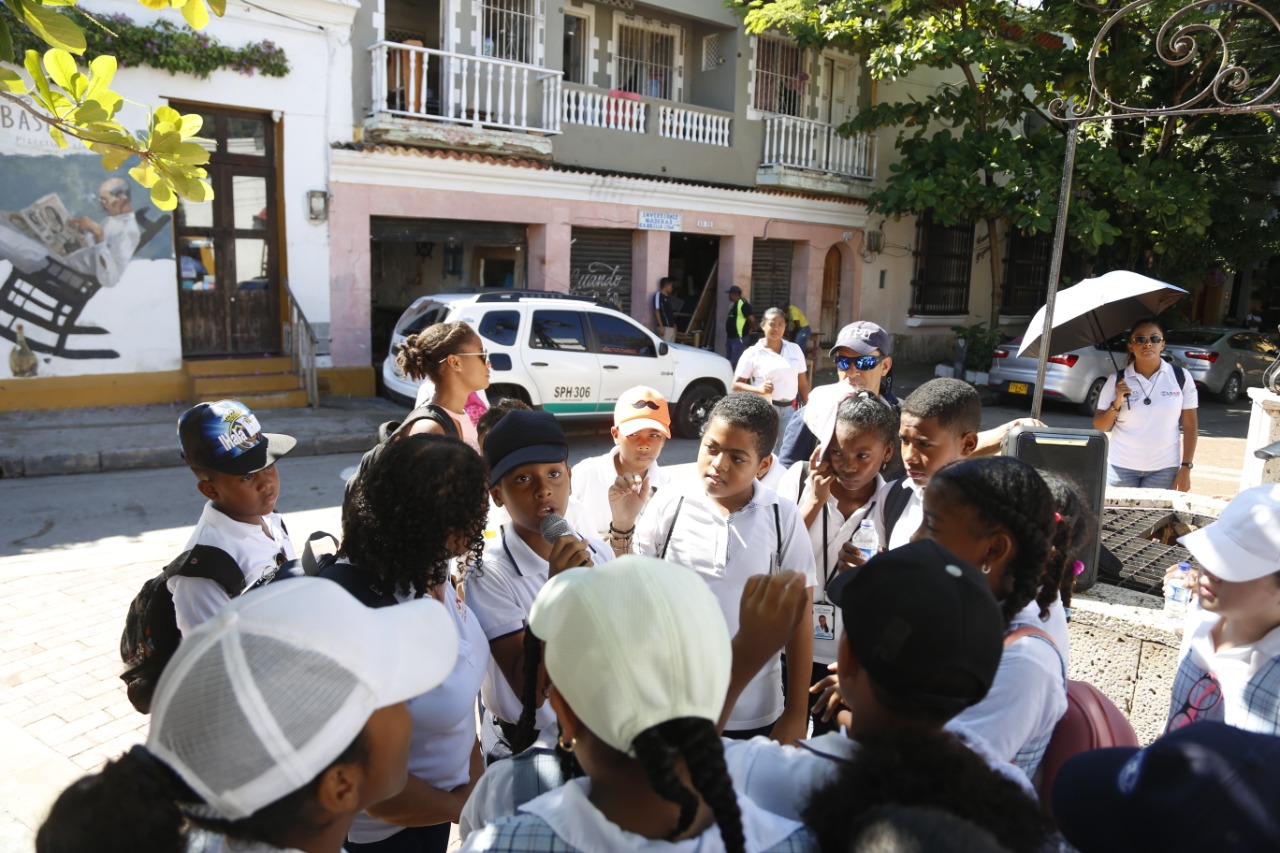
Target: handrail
[(302, 347)]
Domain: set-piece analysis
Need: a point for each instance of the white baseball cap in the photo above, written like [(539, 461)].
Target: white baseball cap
[(820, 411), (1244, 543), (262, 697), (633, 643)]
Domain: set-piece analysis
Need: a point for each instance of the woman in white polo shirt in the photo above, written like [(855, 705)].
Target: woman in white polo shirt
[(775, 369), (1151, 416)]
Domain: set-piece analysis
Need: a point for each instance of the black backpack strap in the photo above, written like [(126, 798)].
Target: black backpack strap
[(662, 555), (777, 532), (355, 582), (895, 501), (309, 564), (211, 563), (804, 477), (426, 412)]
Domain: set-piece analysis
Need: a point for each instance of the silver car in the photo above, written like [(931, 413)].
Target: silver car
[(1222, 361), (1075, 377)]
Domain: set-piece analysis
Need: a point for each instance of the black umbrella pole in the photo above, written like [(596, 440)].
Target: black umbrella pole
[(1055, 268)]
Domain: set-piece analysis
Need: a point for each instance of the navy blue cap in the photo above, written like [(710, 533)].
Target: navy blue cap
[(523, 438)]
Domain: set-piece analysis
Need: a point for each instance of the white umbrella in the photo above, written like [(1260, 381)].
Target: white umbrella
[(1097, 309)]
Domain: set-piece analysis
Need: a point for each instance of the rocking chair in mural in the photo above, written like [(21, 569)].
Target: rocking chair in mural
[(53, 298)]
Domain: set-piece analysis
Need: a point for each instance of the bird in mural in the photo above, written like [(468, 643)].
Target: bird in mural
[(22, 361)]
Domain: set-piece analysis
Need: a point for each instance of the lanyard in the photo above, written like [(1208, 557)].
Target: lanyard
[(827, 572)]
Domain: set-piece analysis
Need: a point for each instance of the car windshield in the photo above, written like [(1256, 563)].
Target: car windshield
[(1192, 337), (429, 314)]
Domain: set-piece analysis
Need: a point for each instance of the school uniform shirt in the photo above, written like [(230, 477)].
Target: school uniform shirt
[(826, 552), (204, 841), (256, 552), (500, 595), (1148, 437), (444, 722), (1239, 687), (782, 779), (773, 477), (1029, 694), (592, 479), (908, 522), (725, 551), (759, 363), (564, 820), (508, 784)]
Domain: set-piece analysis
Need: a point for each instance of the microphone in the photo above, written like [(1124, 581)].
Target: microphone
[(553, 527)]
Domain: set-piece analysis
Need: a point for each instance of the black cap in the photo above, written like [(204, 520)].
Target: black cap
[(734, 289), (522, 438), (224, 436), (924, 625)]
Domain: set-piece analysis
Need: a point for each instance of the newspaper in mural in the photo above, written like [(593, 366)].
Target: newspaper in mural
[(85, 275)]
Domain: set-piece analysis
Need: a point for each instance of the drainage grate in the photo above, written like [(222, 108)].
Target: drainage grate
[(1127, 533)]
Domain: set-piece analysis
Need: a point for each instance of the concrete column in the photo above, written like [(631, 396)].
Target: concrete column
[(549, 256), (650, 260), (736, 251), (350, 279)]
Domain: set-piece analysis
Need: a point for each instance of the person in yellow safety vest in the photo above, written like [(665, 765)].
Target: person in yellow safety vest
[(799, 326), (738, 324)]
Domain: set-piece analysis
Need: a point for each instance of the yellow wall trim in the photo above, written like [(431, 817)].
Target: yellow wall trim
[(101, 389), (347, 382)]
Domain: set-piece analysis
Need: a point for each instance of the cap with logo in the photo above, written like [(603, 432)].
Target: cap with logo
[(924, 625), (640, 408), (633, 643), (1244, 543), (864, 338), (263, 696), (224, 436), (523, 438)]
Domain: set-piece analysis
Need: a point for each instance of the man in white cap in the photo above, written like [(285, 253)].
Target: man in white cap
[(1229, 665)]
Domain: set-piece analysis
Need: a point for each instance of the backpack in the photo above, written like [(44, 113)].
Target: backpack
[(151, 634), (1178, 374), (895, 501), (353, 581), (388, 431)]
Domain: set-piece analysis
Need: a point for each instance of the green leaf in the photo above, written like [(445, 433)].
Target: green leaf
[(52, 28), (6, 42), (219, 7), (58, 137), (60, 67), (11, 81)]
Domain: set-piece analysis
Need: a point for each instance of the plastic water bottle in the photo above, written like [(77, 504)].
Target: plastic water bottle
[(866, 540), (1178, 593), (488, 45)]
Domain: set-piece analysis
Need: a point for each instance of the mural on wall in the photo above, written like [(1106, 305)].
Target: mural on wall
[(86, 273)]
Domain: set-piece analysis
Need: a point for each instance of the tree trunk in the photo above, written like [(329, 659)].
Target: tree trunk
[(997, 279)]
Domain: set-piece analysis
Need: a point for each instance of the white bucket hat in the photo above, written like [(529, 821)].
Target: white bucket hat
[(261, 698), (1244, 543), (633, 643)]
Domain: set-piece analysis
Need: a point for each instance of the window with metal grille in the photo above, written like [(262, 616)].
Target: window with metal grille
[(645, 60), (944, 258), (779, 84), (712, 55), (1026, 274), (509, 29)]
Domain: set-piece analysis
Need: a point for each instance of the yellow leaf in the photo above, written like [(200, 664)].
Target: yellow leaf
[(163, 198), (113, 158), (195, 14), (102, 69), (190, 153), (58, 137), (11, 81), (52, 28), (155, 4), (60, 66), (219, 7), (167, 114), (144, 174), (190, 125)]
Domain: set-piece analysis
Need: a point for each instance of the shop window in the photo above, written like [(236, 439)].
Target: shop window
[(558, 330), (779, 78), (616, 336), (500, 327), (647, 57), (943, 262)]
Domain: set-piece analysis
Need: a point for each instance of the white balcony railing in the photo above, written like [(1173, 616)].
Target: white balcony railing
[(425, 83), (806, 144), (694, 125), (616, 110)]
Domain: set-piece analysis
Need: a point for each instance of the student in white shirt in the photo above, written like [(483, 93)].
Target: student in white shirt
[(638, 712), (775, 369), (727, 527), (641, 427), (998, 513), (836, 490), (529, 477)]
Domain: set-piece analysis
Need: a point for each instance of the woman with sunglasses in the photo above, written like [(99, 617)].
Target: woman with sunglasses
[(453, 357), (1151, 416)]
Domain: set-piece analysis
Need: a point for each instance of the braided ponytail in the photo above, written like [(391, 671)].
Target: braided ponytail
[(526, 731), (1074, 527), (695, 740)]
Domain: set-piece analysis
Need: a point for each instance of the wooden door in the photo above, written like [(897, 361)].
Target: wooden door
[(829, 321)]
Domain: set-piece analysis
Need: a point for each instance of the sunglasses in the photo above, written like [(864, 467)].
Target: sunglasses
[(484, 355), (1142, 339), (862, 362), (645, 404)]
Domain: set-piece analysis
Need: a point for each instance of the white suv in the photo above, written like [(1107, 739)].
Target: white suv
[(568, 355)]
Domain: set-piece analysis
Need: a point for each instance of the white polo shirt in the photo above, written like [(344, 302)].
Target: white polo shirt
[(501, 595), (725, 551), (912, 514), (592, 479), (759, 363), (1149, 437)]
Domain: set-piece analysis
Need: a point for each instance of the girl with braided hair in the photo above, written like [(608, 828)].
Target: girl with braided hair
[(639, 661), (454, 359), (1074, 526), (998, 514)]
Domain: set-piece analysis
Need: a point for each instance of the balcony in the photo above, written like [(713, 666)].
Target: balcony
[(484, 94), (805, 154), (628, 112)]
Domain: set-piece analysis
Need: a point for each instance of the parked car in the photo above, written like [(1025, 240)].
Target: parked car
[(1076, 377), (1222, 361), (568, 355)]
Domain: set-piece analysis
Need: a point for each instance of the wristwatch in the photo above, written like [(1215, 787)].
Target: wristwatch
[(1188, 465)]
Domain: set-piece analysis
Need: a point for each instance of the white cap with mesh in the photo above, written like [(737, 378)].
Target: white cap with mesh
[(262, 697), (632, 643)]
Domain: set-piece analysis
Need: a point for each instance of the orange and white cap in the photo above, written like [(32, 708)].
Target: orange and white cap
[(640, 408)]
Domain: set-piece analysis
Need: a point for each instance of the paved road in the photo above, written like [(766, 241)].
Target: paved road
[(74, 550)]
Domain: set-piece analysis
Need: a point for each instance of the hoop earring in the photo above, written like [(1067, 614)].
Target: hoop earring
[(567, 747), (986, 570)]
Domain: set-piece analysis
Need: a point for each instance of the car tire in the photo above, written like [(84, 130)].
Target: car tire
[(1230, 389), (1089, 406), (497, 393), (694, 407)]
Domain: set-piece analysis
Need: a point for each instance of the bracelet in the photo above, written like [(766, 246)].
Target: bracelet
[(626, 533)]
